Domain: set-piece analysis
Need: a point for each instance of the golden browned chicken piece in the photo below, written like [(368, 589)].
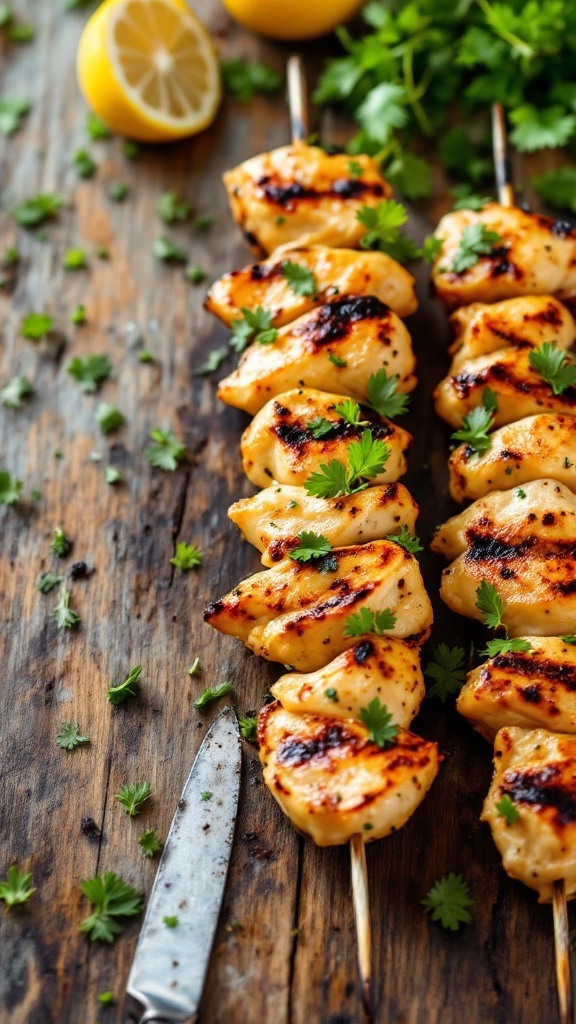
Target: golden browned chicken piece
[(536, 770), (333, 782), (525, 322), (272, 519), (376, 666), (336, 347), (301, 194), (281, 443), (534, 255), (296, 612), (524, 544), (534, 448), (531, 689), (519, 388), (334, 272)]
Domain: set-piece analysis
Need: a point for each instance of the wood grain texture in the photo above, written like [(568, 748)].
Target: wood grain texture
[(285, 949)]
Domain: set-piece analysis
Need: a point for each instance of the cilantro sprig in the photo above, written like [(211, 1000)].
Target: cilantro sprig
[(243, 78), (384, 397), (366, 621), (383, 223), (409, 541), (516, 646), (554, 366), (119, 692), (111, 898), (212, 693), (17, 887), (301, 279), (90, 372), (507, 809), (490, 604), (448, 900), (149, 843), (378, 721), (446, 668), (476, 425), (366, 460), (187, 557), (166, 451), (254, 325), (133, 796), (476, 240), (70, 737), (310, 546)]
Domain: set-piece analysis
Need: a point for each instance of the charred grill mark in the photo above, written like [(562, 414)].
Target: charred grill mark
[(563, 229), (362, 651), (342, 600), (531, 694), (501, 264), (542, 788), (289, 194), (329, 736), (535, 667), (565, 588), (333, 320), (292, 432), (486, 546), (550, 315)]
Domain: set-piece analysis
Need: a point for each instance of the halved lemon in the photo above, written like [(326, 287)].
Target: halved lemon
[(149, 69)]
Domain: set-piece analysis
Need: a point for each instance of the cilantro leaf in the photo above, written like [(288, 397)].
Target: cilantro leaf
[(489, 603), (365, 621), (109, 418), (476, 240), (12, 113), (66, 617), (96, 127), (319, 427), (330, 481), (187, 557), (83, 164), (507, 810), (558, 188), (554, 367), (213, 362), (195, 274), (78, 316), (300, 279), (90, 372), (336, 360), (105, 998), (382, 111), (60, 543), (35, 210), (406, 540), (255, 325), (540, 129), (117, 191), (410, 174), (36, 326), (133, 796), (248, 727), (384, 222), (495, 647), (243, 78), (47, 581), (167, 251), (448, 900), (170, 209), (69, 737), (477, 423), (446, 668), (378, 721), (349, 411), (17, 887), (14, 391), (570, 638), (10, 488), (384, 397), (431, 248), (74, 259), (166, 451), (149, 843), (367, 457), (111, 898), (310, 546), (113, 475), (212, 693), (171, 920), (120, 692)]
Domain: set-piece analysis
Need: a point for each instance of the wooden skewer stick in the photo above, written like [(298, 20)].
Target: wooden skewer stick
[(299, 127), (559, 905), (562, 950)]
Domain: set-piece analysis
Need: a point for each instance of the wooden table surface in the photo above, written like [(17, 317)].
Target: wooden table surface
[(285, 949)]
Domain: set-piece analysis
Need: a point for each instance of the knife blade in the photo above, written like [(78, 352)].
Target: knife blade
[(167, 976)]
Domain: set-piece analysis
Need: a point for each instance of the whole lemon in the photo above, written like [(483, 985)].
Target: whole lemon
[(292, 19)]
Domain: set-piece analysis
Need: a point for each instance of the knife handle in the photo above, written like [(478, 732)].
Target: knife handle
[(137, 1015)]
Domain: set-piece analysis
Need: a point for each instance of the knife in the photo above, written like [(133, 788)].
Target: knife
[(167, 976)]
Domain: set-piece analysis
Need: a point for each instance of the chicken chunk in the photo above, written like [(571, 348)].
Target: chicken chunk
[(334, 272), (379, 666), (272, 519), (531, 689), (536, 256), (296, 612), (525, 547), (280, 444), (534, 448), (536, 769), (336, 347), (525, 322), (300, 194), (520, 390), (333, 782)]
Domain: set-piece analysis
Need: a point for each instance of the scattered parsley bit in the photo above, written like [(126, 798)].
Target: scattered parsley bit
[(570, 638), (292, 504), (133, 796), (60, 544), (300, 279), (194, 669), (165, 249), (331, 694), (243, 78), (96, 127), (35, 210), (383, 395), (74, 259), (170, 921), (195, 274), (554, 367), (319, 427), (406, 540), (11, 256), (113, 475), (378, 721), (310, 545), (79, 315), (567, 464), (66, 617), (520, 493), (365, 621), (120, 692), (477, 423), (476, 241), (166, 452), (106, 998), (336, 360), (213, 362), (507, 810), (36, 495), (355, 170), (69, 736), (47, 581), (203, 223), (206, 795), (17, 888), (212, 693), (36, 326), (351, 412), (366, 459), (248, 727), (109, 418), (145, 356), (255, 325), (10, 488), (448, 900), (83, 164), (12, 113), (14, 391), (90, 372), (130, 149), (21, 33), (495, 647), (384, 222), (490, 604), (367, 826), (187, 557), (101, 252), (170, 208), (6, 15), (446, 667), (149, 843), (117, 191), (431, 248), (112, 898)]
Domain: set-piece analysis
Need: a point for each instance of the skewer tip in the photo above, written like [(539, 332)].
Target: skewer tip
[(502, 168), (361, 903), (297, 99), (562, 951)]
